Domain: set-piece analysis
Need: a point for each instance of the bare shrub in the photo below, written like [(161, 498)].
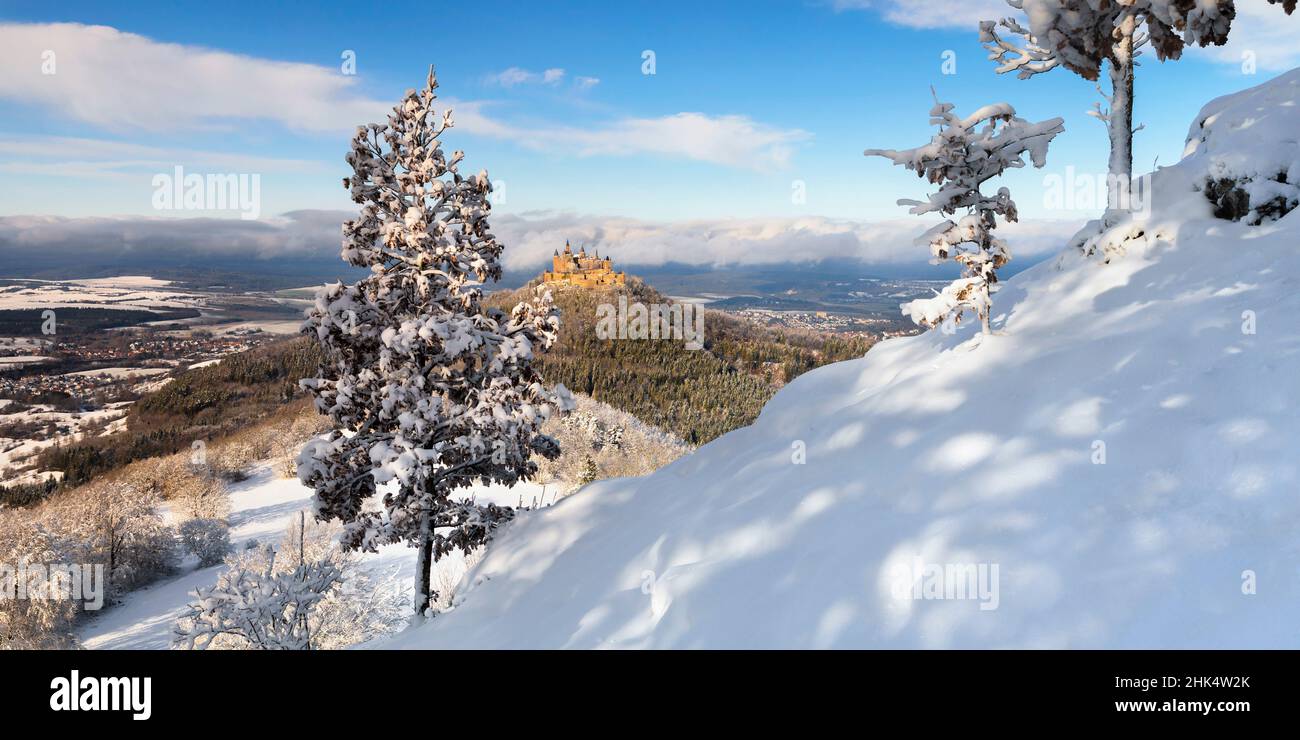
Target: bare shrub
[(120, 527), (197, 493), (207, 539)]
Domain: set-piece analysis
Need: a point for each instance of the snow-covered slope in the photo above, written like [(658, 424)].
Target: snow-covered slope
[(261, 508), (941, 450)]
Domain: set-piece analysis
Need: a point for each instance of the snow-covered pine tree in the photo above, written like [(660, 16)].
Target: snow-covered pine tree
[(964, 154), (1084, 35), (589, 471), (427, 387)]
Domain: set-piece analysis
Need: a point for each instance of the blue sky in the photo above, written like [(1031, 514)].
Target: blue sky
[(747, 99)]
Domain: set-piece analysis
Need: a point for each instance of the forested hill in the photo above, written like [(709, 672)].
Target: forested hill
[(205, 403), (696, 394)]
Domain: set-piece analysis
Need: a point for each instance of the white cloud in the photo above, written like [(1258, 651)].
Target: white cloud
[(92, 240), (518, 76), (511, 77), (963, 14), (735, 141), (729, 140), (530, 239), (514, 76), (124, 82), (104, 159)]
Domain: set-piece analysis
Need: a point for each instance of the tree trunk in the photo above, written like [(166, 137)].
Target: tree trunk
[(424, 569), (988, 222), (1120, 125)]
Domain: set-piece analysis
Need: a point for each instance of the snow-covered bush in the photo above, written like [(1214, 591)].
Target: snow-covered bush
[(32, 624), (265, 599), (364, 606), (1253, 179), (108, 523), (256, 607), (206, 539), (120, 527), (448, 578), (427, 388), (960, 158), (199, 493), (230, 461), (292, 436), (1253, 200), (286, 466), (598, 441)]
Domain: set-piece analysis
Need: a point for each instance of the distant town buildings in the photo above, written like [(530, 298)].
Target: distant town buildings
[(828, 322)]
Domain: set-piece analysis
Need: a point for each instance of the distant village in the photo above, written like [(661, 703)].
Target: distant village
[(85, 365), (823, 321)]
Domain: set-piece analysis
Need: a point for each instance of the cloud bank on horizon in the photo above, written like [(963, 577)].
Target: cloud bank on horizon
[(529, 239)]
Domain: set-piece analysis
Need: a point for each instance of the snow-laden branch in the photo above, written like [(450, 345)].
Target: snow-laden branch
[(1026, 59)]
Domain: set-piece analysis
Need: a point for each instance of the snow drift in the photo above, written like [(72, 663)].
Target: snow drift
[(1122, 450)]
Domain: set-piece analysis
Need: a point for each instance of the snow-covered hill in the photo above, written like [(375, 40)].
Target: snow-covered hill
[(1122, 450)]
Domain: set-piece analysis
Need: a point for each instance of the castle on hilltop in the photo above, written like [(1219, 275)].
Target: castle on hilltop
[(579, 269)]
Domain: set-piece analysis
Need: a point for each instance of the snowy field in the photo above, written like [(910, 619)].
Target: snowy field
[(71, 426), (16, 453), (123, 372), (1121, 451), (23, 344), (286, 327), (14, 361), (262, 507), (127, 292), (217, 312)]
